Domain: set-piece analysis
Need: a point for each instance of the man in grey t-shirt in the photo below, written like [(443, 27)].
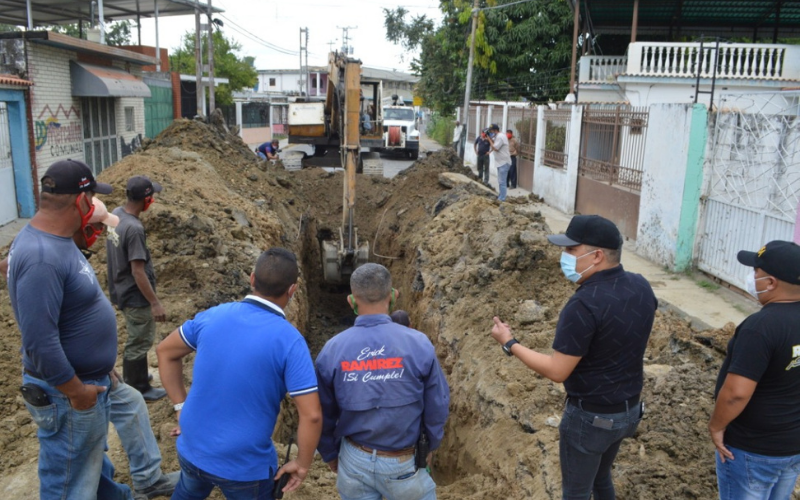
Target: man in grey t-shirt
[(132, 284), (502, 158)]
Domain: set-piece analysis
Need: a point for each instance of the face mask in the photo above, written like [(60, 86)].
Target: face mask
[(570, 262), (90, 234), (87, 216), (147, 202), (750, 285)]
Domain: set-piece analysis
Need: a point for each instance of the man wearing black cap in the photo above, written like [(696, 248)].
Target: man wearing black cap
[(598, 349), (132, 284), (756, 421), (69, 338)]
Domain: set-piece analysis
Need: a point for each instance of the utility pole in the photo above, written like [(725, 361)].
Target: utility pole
[(465, 117), (346, 38), (211, 102), (330, 45), (304, 67), (198, 58)]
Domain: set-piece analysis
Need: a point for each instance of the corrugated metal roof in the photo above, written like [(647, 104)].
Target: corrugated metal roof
[(726, 18), (13, 80)]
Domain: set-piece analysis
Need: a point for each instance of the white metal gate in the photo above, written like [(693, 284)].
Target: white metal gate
[(8, 193), (753, 184)]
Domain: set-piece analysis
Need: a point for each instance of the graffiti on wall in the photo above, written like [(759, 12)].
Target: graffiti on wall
[(60, 139)]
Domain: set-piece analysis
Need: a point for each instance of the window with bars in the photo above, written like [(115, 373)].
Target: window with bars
[(99, 132)]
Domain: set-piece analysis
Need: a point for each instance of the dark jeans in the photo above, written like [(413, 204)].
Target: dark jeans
[(196, 484), (587, 452), (512, 173), (483, 167)]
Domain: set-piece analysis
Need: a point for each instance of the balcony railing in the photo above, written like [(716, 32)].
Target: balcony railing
[(734, 60), (602, 68)]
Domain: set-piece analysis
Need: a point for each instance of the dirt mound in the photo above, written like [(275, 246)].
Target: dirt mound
[(458, 258)]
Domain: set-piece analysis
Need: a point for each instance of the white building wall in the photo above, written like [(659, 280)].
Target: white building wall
[(558, 186), (663, 182), (57, 125)]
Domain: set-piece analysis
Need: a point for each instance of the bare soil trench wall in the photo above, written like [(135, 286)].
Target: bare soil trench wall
[(457, 257)]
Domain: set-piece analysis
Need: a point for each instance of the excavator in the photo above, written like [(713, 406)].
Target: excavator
[(344, 122)]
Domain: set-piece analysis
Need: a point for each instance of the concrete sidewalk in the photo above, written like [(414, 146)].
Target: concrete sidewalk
[(9, 231), (694, 296)]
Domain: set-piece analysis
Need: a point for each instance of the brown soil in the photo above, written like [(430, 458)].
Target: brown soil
[(457, 257)]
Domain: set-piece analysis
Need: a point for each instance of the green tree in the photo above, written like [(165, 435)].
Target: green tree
[(240, 71), (521, 51), (118, 33)]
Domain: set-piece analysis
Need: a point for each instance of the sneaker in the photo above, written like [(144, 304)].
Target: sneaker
[(163, 487)]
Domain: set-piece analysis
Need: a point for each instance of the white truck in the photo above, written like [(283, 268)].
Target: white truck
[(400, 130)]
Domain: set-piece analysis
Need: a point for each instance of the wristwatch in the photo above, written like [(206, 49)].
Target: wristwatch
[(507, 346)]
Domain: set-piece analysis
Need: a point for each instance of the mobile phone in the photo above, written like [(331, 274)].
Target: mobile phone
[(277, 492), (603, 423), (34, 395)]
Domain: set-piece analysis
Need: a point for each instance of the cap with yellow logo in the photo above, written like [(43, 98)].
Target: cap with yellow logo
[(780, 259)]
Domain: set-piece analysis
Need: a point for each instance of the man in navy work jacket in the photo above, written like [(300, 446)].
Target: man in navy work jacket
[(248, 357), (599, 345), (380, 385)]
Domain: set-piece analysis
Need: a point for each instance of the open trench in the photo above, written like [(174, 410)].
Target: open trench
[(457, 257)]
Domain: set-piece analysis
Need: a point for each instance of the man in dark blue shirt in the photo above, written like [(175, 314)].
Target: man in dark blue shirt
[(69, 338), (380, 385), (482, 149), (268, 150), (600, 340)]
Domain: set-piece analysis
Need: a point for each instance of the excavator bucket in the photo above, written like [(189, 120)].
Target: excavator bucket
[(338, 263)]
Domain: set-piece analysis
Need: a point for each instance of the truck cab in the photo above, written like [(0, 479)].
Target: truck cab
[(400, 129)]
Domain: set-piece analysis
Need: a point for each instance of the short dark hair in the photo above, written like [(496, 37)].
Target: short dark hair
[(275, 141), (276, 270), (401, 317)]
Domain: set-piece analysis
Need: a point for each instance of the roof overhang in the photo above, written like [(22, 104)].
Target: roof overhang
[(89, 80), (13, 81), (46, 12), (742, 18), (67, 42)]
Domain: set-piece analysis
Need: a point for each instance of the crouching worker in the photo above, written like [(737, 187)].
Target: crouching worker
[(383, 397), (248, 356)]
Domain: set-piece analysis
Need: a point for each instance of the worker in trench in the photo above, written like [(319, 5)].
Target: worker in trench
[(598, 352), (384, 398)]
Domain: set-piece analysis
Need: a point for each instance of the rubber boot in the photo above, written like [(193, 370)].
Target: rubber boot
[(141, 384)]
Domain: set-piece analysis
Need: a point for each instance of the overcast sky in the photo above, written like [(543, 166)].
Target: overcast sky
[(255, 25)]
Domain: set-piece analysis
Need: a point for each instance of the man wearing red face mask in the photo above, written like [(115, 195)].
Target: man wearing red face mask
[(69, 338), (132, 284)]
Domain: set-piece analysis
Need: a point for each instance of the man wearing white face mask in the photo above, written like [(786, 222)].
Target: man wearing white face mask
[(598, 348), (755, 426)]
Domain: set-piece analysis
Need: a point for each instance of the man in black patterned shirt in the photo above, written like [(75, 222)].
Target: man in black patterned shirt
[(598, 349)]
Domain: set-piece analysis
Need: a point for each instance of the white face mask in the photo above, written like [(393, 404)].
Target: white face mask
[(568, 264), (750, 285)]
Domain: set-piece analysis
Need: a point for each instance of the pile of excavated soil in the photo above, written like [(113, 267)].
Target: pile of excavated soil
[(457, 257)]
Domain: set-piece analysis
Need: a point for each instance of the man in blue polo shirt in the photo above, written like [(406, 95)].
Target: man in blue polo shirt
[(248, 357), (268, 150), (380, 386), (599, 345)]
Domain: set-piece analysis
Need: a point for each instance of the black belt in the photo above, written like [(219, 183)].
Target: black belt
[(34, 375), (615, 408)]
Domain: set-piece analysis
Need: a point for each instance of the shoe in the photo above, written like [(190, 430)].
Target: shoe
[(153, 393), (163, 487)]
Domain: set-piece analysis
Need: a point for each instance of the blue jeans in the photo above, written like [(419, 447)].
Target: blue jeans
[(756, 477), (132, 422), (502, 180), (368, 476), (261, 155), (196, 484), (587, 452), (483, 168), (72, 443)]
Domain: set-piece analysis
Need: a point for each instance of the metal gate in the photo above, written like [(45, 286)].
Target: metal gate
[(753, 187), (611, 164), (8, 193)]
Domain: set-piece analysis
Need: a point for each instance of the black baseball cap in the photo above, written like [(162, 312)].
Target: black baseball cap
[(780, 259), (140, 187), (495, 127), (589, 230), (72, 177)]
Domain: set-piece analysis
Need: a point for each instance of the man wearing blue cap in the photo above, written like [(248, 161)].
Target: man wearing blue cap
[(69, 338), (755, 426), (598, 353)]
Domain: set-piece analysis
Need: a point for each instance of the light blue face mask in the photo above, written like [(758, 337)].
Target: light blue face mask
[(570, 262)]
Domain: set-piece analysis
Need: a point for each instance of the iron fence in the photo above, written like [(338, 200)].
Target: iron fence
[(255, 115), (612, 148), (556, 141)]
